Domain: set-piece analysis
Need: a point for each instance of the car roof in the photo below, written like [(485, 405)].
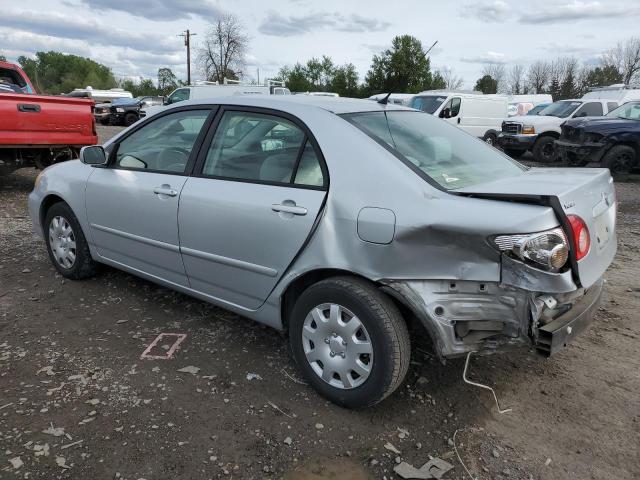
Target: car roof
[(337, 105)]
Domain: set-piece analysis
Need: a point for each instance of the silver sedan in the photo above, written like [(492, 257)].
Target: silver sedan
[(342, 222)]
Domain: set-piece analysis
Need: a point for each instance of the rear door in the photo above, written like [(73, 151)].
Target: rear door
[(251, 203)]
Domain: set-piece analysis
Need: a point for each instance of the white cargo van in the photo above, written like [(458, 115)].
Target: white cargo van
[(202, 90), (475, 113)]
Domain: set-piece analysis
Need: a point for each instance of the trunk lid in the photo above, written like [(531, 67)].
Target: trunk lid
[(586, 192)]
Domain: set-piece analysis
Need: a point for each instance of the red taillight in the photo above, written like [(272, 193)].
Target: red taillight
[(581, 237)]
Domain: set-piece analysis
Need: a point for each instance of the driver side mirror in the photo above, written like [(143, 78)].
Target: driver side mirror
[(445, 113), (93, 155)]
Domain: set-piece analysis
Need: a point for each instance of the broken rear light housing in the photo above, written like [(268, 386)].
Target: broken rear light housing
[(548, 250)]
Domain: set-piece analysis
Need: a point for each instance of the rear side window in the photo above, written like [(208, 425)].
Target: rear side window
[(590, 109), (262, 148)]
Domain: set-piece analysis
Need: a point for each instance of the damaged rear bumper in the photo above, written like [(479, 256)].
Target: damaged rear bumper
[(488, 317)]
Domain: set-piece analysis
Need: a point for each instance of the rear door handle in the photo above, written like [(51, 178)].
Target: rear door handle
[(279, 207), (28, 107), (165, 190)]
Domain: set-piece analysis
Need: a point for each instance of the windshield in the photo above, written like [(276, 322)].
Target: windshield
[(427, 104), (561, 109), (444, 153), (629, 111), (537, 109)]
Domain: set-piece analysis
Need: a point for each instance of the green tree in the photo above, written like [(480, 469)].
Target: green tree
[(438, 82), (345, 81), (603, 76), (403, 68), (143, 88), (167, 81), (321, 75), (486, 84), (55, 72)]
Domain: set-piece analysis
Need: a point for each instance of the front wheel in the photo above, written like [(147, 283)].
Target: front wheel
[(130, 118), (350, 341), (544, 150), (491, 139), (620, 160), (68, 249)]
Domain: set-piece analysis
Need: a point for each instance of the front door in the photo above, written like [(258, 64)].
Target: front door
[(250, 206), (132, 205)]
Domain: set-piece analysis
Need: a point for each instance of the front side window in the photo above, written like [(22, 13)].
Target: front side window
[(628, 111), (163, 145), (446, 154), (455, 106), (428, 103), (590, 109), (263, 148), (179, 95)]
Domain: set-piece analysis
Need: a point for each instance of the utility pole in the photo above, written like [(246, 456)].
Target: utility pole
[(187, 43)]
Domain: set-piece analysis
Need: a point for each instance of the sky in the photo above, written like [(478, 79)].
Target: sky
[(136, 37)]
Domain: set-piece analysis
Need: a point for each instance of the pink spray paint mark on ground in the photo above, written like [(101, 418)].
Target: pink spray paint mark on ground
[(179, 338)]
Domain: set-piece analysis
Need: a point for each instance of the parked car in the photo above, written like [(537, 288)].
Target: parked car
[(612, 141), (39, 130), (537, 133), (126, 111), (475, 113), (339, 221)]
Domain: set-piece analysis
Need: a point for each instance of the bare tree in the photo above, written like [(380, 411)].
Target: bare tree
[(224, 51), (497, 72), (516, 83), (625, 57), (451, 80), (538, 76)]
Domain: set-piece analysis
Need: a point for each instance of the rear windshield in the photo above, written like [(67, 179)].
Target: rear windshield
[(428, 104), (435, 149), (12, 82)]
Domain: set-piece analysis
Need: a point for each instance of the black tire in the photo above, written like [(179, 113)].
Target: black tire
[(544, 150), (491, 139), (515, 153), (620, 160), (130, 118), (384, 325), (83, 266)]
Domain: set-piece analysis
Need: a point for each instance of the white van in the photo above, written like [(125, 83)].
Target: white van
[(213, 89), (620, 93), (475, 113)]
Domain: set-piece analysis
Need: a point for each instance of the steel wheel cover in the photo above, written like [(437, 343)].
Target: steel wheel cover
[(337, 346), (62, 241)]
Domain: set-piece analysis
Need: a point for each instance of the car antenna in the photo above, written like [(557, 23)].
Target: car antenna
[(383, 101)]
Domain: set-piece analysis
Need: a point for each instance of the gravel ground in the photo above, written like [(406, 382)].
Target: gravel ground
[(77, 402)]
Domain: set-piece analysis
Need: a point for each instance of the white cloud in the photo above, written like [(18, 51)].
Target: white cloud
[(579, 10), (487, 57), (488, 11)]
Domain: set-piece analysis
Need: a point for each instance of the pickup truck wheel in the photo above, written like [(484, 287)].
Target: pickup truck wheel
[(491, 139), (620, 160), (130, 119), (514, 153), (544, 150), (350, 341), (66, 244)]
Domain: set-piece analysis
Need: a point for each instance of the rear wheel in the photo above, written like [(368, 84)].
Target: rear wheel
[(544, 150), (620, 160), (514, 153), (350, 341), (68, 249)]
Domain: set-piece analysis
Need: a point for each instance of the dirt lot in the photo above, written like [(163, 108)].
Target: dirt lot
[(76, 400)]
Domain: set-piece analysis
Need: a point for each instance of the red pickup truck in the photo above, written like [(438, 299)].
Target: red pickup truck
[(39, 130)]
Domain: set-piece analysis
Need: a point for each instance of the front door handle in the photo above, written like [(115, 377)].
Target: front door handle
[(284, 208), (29, 107), (165, 190), (458, 121)]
